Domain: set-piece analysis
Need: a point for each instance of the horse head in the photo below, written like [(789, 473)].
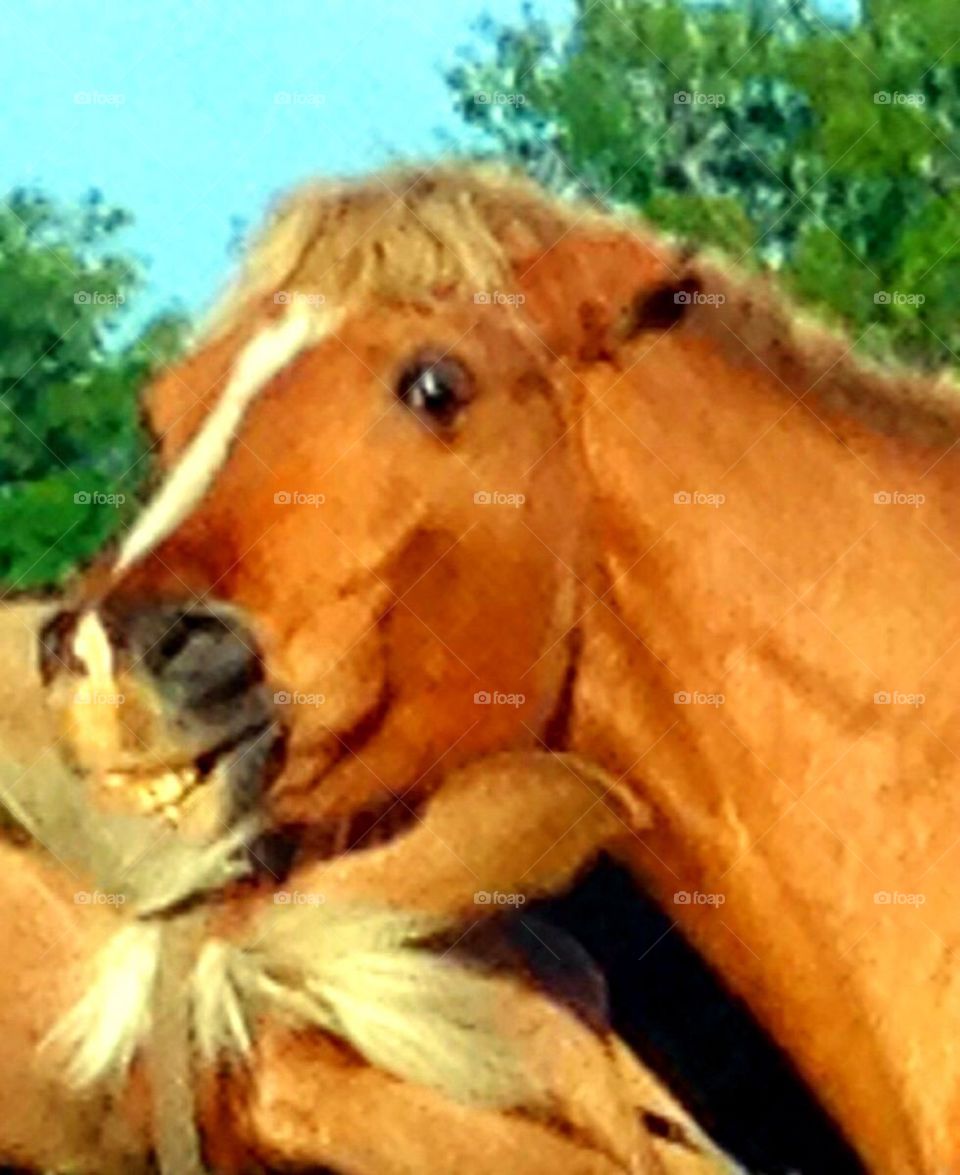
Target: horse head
[(369, 538)]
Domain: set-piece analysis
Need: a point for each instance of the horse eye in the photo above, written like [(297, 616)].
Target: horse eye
[(437, 388)]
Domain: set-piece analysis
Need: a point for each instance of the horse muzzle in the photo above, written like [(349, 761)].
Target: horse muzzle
[(164, 708)]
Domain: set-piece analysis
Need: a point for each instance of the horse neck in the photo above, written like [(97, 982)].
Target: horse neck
[(781, 597), (746, 537)]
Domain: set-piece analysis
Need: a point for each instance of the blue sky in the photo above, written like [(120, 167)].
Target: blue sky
[(184, 125), (185, 122)]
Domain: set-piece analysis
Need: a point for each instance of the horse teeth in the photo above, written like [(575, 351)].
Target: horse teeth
[(161, 793)]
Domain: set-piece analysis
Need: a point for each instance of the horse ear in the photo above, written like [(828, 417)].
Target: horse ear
[(662, 307), (599, 287)]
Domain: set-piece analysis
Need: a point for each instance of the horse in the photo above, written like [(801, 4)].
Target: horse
[(456, 468)]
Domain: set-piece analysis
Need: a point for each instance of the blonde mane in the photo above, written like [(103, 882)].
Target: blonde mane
[(756, 325), (413, 234)]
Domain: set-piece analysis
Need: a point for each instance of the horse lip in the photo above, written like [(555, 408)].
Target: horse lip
[(248, 737), (254, 759)]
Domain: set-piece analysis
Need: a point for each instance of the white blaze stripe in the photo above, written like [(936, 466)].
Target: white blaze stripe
[(266, 354), (91, 645)]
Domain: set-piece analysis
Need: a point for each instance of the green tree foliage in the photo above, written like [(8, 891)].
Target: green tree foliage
[(71, 451), (830, 153)]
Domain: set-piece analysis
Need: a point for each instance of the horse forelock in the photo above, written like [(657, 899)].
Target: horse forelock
[(404, 236)]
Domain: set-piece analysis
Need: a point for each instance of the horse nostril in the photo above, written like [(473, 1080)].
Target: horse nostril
[(189, 628), (202, 657), (55, 646)]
